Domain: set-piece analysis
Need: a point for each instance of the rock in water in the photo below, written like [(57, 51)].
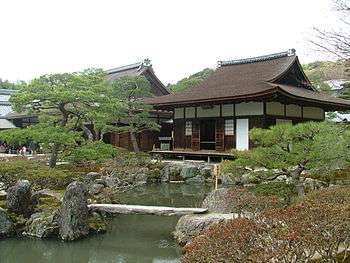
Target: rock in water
[(42, 225), (73, 222), (6, 225), (189, 171), (18, 198)]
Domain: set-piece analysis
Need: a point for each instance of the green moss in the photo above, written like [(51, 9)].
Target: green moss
[(3, 204), (97, 223), (48, 204), (40, 175)]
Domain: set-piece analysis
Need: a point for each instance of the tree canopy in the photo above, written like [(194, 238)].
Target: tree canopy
[(320, 147), (70, 105), (191, 80)]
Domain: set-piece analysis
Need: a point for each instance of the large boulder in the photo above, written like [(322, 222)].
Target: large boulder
[(171, 172), (206, 171), (42, 225), (189, 171), (217, 201), (73, 221), (190, 226), (19, 198), (199, 179), (6, 225)]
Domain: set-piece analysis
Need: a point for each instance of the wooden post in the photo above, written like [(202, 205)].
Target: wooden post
[(216, 173)]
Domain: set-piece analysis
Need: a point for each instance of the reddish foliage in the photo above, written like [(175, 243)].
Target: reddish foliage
[(317, 225)]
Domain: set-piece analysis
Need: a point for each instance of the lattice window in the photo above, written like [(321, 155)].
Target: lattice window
[(188, 128), (229, 127)]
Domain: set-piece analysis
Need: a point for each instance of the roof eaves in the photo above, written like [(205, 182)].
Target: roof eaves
[(326, 100), (245, 96)]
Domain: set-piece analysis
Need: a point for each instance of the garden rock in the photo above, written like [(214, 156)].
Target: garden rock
[(3, 195), (189, 171), (217, 201), (228, 179), (92, 175), (73, 221), (97, 223), (96, 189), (6, 225), (199, 179), (190, 226), (42, 225), (19, 199), (101, 181), (140, 178), (206, 172)]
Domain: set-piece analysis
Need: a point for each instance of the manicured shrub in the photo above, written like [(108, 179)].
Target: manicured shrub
[(40, 175), (96, 152), (286, 192)]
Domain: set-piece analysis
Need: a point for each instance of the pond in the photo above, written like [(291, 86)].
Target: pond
[(129, 238)]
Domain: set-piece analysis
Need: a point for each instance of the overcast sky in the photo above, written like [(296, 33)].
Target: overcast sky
[(180, 37)]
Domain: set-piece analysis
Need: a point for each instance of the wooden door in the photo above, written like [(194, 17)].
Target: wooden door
[(195, 135), (219, 135)]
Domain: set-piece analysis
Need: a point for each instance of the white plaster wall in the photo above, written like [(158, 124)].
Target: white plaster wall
[(274, 108), (190, 112), (313, 113), (293, 110), (212, 112), (227, 110), (179, 113), (249, 108)]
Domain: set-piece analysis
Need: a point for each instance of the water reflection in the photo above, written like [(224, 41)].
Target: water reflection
[(130, 238)]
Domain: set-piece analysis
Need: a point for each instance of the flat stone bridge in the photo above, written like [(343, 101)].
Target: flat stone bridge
[(146, 210)]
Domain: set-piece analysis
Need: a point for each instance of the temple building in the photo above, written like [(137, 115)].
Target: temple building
[(147, 140), (217, 114)]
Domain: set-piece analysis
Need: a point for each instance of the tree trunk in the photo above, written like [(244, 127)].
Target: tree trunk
[(54, 156), (134, 141), (299, 186), (88, 133)]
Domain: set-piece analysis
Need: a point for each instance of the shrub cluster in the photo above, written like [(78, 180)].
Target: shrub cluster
[(316, 227), (40, 175), (92, 151)]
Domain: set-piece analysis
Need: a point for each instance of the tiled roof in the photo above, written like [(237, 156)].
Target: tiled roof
[(230, 81), (247, 78), (137, 69)]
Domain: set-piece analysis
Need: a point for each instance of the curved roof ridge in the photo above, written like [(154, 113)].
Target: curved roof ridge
[(138, 65), (288, 53)]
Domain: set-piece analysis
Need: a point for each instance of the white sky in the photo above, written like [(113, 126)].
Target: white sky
[(180, 37)]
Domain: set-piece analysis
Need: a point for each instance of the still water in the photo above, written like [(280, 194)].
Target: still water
[(129, 238)]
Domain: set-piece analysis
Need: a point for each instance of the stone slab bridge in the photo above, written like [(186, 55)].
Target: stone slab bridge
[(146, 210)]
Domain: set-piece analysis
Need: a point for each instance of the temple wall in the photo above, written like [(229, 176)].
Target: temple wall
[(249, 108), (293, 110), (274, 108), (190, 112), (179, 113), (227, 110), (210, 112), (313, 113)]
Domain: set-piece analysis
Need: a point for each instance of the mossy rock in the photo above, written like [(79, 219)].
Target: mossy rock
[(42, 225), (97, 224)]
